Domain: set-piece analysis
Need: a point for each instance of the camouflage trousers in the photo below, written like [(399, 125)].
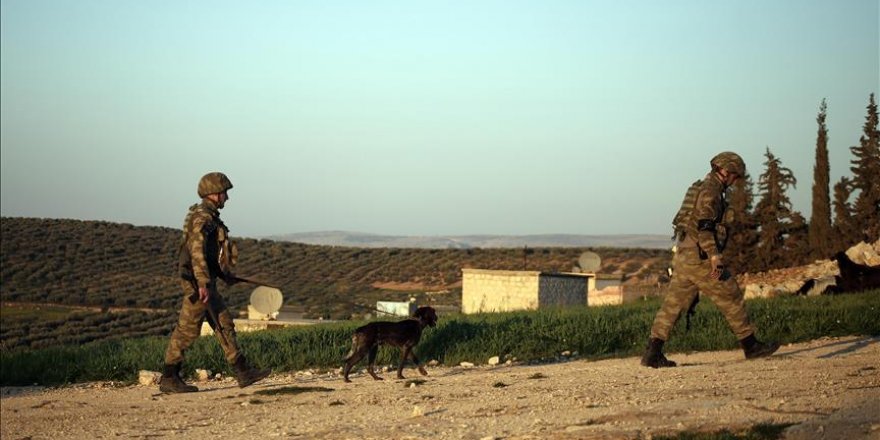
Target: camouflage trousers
[(691, 276), (189, 325)]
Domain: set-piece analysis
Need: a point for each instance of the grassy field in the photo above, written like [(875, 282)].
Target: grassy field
[(537, 336), (758, 432), (14, 315), (36, 326)]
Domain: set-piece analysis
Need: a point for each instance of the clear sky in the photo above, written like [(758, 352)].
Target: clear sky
[(419, 118)]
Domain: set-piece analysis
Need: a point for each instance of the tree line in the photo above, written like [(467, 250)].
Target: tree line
[(771, 234)]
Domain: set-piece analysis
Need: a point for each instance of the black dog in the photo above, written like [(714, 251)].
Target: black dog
[(404, 334)]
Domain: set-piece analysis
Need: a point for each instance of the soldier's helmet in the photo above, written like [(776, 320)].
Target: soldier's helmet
[(213, 183), (729, 161)]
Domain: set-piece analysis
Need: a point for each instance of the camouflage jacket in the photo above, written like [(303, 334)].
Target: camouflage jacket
[(705, 223), (206, 252)]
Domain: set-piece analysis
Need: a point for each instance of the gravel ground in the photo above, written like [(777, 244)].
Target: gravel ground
[(827, 388)]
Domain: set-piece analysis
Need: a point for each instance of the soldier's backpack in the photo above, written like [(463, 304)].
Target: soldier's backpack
[(684, 212)]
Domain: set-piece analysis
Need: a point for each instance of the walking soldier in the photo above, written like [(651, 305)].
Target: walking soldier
[(206, 254)]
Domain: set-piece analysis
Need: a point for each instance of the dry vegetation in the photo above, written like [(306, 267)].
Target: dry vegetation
[(103, 264)]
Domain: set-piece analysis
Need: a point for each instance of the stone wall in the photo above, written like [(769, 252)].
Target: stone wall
[(498, 290), (609, 296), (506, 290)]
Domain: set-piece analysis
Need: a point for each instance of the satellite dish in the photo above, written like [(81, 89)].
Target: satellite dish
[(266, 300), (589, 262)]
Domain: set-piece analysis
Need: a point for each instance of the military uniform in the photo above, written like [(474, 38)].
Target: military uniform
[(691, 267), (699, 226), (206, 254)]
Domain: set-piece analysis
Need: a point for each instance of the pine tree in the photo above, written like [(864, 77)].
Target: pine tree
[(845, 232), (820, 219), (781, 233), (866, 175), (742, 230)]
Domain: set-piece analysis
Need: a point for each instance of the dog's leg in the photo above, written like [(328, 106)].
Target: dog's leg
[(412, 354), (350, 362), (404, 354), (372, 360), (357, 352)]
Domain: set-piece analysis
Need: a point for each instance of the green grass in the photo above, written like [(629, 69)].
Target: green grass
[(13, 314), (598, 332), (757, 432)]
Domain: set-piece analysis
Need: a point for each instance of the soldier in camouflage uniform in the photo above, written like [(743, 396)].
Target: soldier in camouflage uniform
[(698, 266), (206, 253)]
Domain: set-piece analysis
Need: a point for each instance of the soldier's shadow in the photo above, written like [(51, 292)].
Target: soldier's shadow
[(269, 390), (849, 347), (291, 390), (846, 348)]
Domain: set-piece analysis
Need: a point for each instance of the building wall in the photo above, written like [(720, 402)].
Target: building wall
[(505, 290), (498, 290), (611, 295), (561, 290), (395, 308)]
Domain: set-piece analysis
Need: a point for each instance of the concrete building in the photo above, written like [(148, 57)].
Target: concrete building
[(507, 290), (395, 308)]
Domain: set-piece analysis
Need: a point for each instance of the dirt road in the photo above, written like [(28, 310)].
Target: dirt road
[(828, 388)]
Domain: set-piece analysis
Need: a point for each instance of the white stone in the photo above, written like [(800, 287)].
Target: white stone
[(147, 377), (203, 375), (494, 360), (466, 365)]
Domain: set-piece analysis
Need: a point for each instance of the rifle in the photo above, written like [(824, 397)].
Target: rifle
[(238, 279)]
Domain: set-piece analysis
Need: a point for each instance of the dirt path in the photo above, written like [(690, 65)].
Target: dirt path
[(828, 388)]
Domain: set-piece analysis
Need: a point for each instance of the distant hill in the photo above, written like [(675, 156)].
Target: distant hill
[(359, 239), (107, 264)]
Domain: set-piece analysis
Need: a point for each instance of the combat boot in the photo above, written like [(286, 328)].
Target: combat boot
[(247, 375), (753, 348), (653, 356), (172, 383)]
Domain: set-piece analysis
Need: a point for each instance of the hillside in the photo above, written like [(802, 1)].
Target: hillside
[(358, 239), (109, 264)]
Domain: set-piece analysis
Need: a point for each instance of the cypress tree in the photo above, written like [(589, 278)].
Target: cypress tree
[(845, 231), (781, 233), (820, 218), (866, 175), (742, 230)]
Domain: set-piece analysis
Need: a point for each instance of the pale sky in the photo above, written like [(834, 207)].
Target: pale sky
[(419, 118)]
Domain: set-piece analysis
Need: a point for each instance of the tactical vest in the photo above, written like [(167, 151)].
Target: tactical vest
[(684, 212), (221, 253)]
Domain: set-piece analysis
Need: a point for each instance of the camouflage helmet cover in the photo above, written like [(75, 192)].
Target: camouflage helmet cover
[(213, 183), (729, 161)]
